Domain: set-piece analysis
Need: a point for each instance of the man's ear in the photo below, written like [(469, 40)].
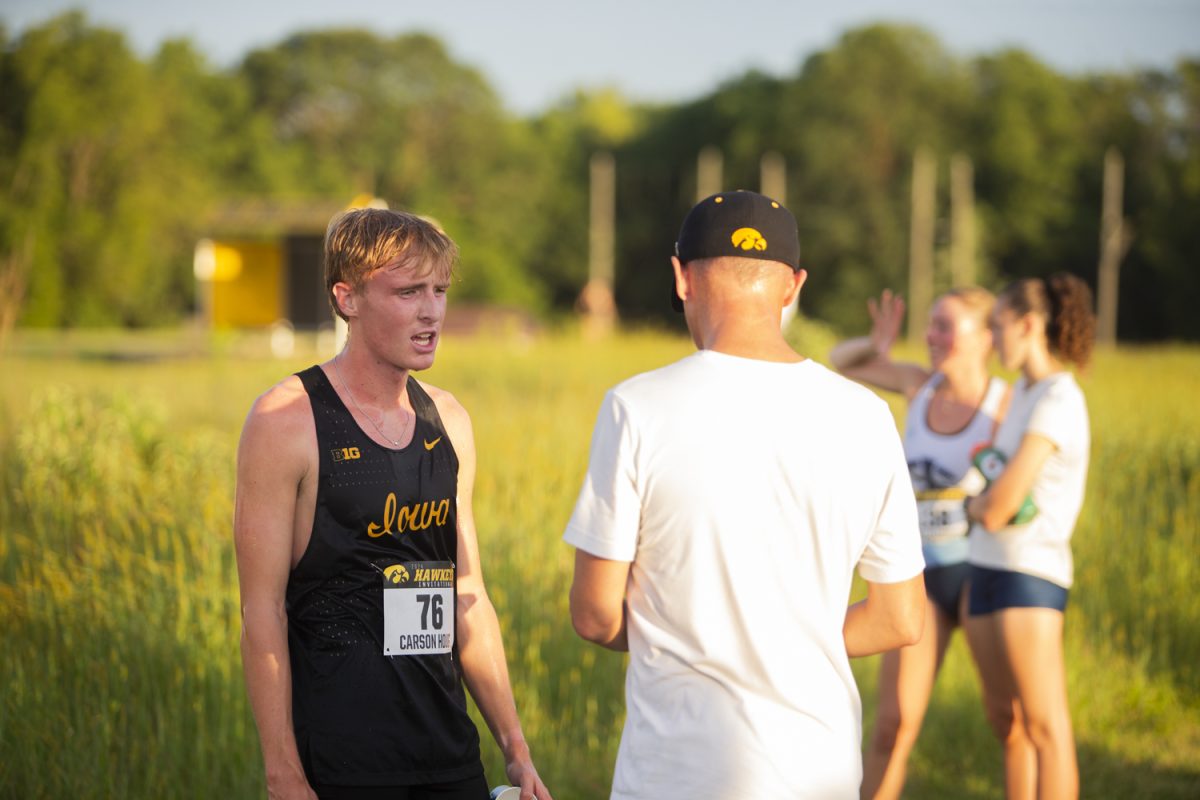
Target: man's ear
[(798, 279), (346, 298), (682, 278)]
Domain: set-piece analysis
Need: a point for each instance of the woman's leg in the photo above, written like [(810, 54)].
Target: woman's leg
[(1033, 642), (906, 679), (986, 642)]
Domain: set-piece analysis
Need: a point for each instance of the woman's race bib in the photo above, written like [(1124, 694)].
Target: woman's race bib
[(942, 514)]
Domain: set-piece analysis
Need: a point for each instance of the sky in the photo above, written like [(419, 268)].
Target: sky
[(535, 52)]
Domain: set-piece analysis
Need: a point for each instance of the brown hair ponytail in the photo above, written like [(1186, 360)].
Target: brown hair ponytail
[(1064, 301)]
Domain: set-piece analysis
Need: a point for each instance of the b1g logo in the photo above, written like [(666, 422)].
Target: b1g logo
[(345, 454)]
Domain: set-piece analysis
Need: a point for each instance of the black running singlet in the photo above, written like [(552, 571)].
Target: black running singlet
[(377, 692)]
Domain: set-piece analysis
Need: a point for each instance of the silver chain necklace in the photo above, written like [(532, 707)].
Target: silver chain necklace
[(394, 442)]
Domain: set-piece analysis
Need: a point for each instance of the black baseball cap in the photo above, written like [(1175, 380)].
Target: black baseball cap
[(740, 223)]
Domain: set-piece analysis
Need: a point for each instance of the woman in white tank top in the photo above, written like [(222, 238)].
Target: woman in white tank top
[(954, 407)]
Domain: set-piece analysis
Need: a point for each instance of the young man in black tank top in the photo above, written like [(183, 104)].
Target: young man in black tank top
[(364, 608)]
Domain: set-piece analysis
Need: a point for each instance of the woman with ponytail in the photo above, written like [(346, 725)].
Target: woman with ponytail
[(1019, 546)]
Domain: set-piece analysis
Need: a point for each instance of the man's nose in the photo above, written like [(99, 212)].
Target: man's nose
[(432, 306)]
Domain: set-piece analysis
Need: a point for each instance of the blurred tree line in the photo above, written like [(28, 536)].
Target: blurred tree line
[(113, 164)]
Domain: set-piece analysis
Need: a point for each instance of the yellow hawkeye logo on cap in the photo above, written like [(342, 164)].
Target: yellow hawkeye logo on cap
[(748, 239)]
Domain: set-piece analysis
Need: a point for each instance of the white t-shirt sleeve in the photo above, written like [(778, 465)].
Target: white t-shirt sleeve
[(608, 512), (1059, 416), (893, 551)]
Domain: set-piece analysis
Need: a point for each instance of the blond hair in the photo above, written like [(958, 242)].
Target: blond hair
[(978, 302), (362, 240)]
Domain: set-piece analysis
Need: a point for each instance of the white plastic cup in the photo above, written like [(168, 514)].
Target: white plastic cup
[(506, 793)]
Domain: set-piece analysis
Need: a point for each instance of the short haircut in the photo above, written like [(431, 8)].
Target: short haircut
[(360, 241), (744, 270)]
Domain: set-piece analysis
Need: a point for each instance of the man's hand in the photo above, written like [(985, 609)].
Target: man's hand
[(891, 616), (291, 786), (522, 773)]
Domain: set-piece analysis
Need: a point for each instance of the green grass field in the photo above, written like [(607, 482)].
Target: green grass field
[(118, 585)]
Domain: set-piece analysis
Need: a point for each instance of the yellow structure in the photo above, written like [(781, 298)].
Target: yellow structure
[(261, 264), (246, 282)]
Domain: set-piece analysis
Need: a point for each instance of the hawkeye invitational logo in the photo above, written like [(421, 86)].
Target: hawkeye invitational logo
[(423, 574), (748, 239)]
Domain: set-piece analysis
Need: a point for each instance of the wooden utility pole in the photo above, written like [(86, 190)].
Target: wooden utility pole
[(596, 300), (920, 249), (709, 165), (773, 184), (962, 221), (204, 267), (1114, 242), (14, 277), (773, 180)]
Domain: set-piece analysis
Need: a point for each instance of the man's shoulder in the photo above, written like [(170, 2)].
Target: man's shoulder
[(453, 413), (280, 429), (283, 404), (808, 380), (657, 387), (440, 397), (839, 391), (846, 410)]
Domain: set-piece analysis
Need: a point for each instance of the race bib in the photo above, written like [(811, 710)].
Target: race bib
[(418, 608), (941, 514)]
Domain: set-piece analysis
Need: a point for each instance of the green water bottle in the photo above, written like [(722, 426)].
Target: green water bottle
[(990, 463)]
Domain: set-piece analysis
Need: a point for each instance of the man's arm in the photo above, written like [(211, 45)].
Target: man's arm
[(891, 616), (271, 465), (598, 600), (480, 648), (996, 507), (893, 613)]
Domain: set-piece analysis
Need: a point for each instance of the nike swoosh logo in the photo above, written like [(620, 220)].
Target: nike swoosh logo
[(430, 445)]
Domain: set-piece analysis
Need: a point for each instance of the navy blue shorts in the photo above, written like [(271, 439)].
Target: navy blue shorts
[(995, 590), (945, 586), (475, 788)]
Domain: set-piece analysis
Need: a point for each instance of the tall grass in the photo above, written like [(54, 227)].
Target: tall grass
[(118, 590), (120, 623)]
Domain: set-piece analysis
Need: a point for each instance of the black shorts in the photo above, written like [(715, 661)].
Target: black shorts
[(945, 585), (474, 788), (995, 590)]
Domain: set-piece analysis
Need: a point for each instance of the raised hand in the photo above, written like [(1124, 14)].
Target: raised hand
[(886, 316)]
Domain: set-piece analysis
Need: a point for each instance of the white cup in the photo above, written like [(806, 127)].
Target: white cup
[(506, 793)]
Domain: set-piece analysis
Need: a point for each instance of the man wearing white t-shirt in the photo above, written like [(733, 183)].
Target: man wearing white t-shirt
[(729, 498)]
